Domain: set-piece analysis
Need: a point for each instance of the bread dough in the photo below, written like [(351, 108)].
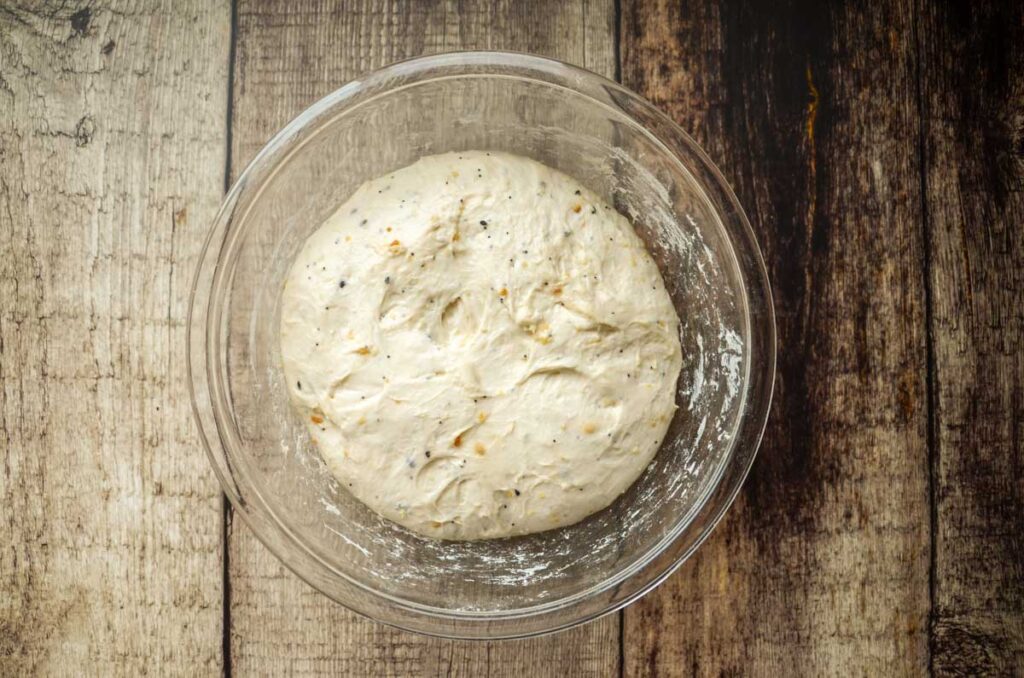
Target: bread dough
[(481, 347)]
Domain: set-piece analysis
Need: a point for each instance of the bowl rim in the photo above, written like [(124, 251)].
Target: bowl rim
[(335, 101)]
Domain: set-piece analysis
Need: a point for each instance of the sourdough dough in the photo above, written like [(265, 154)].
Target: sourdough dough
[(481, 347)]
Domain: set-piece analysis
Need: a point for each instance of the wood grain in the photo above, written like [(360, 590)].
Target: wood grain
[(288, 56), (822, 567), (112, 150), (879, 151), (972, 65)]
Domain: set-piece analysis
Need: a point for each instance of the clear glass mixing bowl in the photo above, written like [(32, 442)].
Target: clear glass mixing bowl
[(613, 142)]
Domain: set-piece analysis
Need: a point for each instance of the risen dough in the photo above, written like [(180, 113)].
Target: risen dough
[(481, 346)]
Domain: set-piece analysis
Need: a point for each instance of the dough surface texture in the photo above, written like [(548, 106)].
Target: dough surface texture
[(481, 347)]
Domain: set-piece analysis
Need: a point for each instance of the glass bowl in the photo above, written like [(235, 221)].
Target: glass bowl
[(615, 143)]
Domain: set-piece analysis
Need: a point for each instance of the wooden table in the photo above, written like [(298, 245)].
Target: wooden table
[(879, 151)]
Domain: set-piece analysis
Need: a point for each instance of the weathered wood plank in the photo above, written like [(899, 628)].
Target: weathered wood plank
[(112, 152), (287, 57), (822, 567), (972, 68)]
